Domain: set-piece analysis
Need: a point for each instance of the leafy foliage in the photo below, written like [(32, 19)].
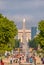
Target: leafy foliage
[(33, 43), (17, 43), (39, 39), (8, 31), (41, 34)]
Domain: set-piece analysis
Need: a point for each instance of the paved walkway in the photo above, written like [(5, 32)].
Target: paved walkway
[(11, 64), (20, 64)]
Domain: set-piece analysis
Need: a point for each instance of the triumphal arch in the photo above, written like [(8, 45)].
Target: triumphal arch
[(27, 32)]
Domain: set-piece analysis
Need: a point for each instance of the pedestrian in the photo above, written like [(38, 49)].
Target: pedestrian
[(11, 61), (1, 62), (34, 59), (20, 58), (42, 59), (31, 59), (27, 59)]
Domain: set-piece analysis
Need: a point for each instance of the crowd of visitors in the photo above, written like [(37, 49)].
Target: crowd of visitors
[(20, 58)]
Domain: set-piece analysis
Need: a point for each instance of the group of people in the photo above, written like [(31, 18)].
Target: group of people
[(22, 59), (31, 59), (18, 58)]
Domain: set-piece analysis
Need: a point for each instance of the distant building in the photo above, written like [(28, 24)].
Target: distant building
[(28, 35), (23, 32), (33, 32)]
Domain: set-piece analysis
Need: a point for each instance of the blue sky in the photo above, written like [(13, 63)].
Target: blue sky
[(31, 10)]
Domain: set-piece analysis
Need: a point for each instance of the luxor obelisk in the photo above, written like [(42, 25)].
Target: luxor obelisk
[(25, 44)]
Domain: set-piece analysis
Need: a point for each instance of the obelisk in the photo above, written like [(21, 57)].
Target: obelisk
[(25, 44)]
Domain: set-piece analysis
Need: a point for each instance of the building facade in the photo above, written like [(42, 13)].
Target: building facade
[(27, 33), (33, 32), (23, 32)]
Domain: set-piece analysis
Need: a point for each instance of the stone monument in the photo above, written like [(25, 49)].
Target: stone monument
[(25, 44)]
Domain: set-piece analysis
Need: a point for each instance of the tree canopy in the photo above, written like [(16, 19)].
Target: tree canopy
[(8, 31), (39, 39), (33, 43), (17, 43), (41, 34)]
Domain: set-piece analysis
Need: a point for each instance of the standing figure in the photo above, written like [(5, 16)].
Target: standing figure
[(11, 60), (34, 59), (1, 62)]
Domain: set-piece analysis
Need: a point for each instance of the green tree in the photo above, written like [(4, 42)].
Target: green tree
[(41, 34), (33, 43), (8, 31), (17, 43)]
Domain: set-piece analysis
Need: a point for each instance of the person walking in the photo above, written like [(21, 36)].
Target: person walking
[(11, 60), (31, 59), (34, 60), (1, 62)]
